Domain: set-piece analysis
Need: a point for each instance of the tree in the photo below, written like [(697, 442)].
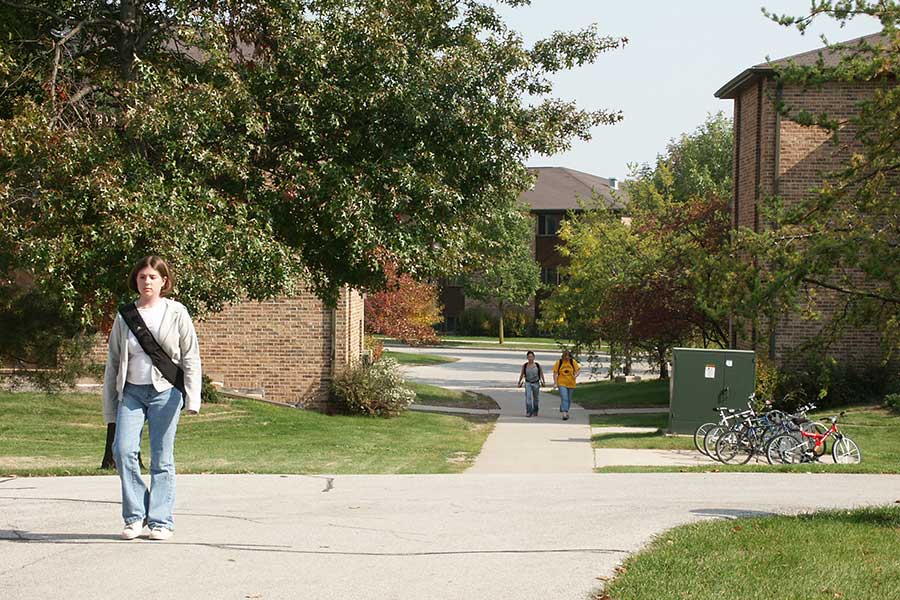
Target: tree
[(844, 238), (649, 281), (508, 275), (406, 309), (258, 144)]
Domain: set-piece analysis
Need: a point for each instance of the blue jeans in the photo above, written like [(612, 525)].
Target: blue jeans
[(532, 393), (565, 398), (161, 411)]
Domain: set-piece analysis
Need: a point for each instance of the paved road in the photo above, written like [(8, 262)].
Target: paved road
[(390, 537), (499, 535)]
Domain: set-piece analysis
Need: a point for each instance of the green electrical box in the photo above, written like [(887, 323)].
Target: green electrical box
[(703, 380)]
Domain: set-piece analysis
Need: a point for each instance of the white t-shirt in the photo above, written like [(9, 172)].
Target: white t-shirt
[(139, 364)]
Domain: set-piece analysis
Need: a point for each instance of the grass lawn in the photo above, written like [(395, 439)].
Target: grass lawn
[(608, 394), (431, 395), (64, 435), (846, 554), (655, 441), (413, 359), (874, 429)]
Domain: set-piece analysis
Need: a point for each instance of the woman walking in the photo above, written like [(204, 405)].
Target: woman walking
[(142, 380), (533, 376), (565, 370)]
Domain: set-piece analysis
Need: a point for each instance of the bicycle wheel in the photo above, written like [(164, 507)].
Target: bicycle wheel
[(700, 434), (735, 447), (709, 441), (766, 436), (785, 449), (846, 452)]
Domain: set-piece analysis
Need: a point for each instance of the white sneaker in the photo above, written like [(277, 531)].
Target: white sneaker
[(133, 530), (160, 533)]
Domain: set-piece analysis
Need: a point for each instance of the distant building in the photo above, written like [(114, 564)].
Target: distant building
[(556, 192), (774, 156)]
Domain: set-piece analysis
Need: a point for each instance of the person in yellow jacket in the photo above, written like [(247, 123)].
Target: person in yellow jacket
[(565, 370)]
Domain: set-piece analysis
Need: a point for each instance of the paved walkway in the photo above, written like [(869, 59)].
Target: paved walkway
[(518, 444), (545, 444)]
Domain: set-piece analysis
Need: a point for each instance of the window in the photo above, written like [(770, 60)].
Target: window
[(548, 224), (549, 276)]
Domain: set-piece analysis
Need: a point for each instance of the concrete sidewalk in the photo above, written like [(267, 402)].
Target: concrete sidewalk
[(542, 444), (518, 444), (377, 537)]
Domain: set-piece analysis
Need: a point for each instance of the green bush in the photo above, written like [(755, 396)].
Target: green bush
[(827, 384), (375, 390), (516, 323), (210, 393), (477, 320), (892, 402)]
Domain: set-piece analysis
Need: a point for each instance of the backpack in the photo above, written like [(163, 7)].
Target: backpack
[(540, 372)]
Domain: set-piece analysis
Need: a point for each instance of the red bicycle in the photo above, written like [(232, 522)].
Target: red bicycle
[(807, 446)]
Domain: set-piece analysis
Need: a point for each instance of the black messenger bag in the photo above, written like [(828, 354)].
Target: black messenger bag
[(172, 372)]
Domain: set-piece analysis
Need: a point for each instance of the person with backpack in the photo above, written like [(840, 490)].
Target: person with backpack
[(152, 372), (565, 370), (533, 376)]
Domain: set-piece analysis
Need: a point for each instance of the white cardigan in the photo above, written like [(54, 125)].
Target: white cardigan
[(179, 340)]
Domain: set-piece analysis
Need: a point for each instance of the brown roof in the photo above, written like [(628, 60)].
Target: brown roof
[(830, 56), (559, 188)]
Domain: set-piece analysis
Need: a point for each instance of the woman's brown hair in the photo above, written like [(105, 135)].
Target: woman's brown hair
[(154, 262)]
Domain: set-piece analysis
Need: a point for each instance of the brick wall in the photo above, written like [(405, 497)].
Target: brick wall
[(282, 347), (776, 156)]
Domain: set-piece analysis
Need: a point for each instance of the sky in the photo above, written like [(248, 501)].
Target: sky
[(679, 53)]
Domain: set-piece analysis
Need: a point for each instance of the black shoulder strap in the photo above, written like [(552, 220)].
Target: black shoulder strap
[(172, 372)]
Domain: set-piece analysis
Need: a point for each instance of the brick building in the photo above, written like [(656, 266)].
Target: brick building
[(556, 192), (287, 349), (775, 156)]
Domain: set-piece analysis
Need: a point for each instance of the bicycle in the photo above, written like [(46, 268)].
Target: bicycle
[(787, 449), (726, 417), (754, 433)]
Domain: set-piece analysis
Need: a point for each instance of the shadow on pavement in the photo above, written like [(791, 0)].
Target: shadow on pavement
[(730, 513)]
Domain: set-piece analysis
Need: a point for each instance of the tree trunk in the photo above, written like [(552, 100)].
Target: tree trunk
[(613, 359), (108, 461), (663, 365), (501, 323), (128, 15), (627, 358)]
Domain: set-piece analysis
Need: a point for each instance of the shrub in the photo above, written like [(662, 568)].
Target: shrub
[(828, 383), (210, 393), (373, 345), (772, 384), (892, 402), (407, 309), (516, 323), (477, 320), (375, 390)]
